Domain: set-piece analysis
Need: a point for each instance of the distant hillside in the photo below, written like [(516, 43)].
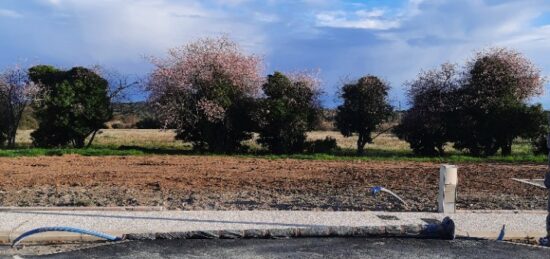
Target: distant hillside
[(132, 115)]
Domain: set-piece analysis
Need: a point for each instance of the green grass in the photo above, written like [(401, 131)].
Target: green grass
[(154, 142), (402, 155), (343, 155), (66, 151)]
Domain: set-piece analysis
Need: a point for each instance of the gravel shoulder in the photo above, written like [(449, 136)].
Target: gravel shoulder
[(231, 183)]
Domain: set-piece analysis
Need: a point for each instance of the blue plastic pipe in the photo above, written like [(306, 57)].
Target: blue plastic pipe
[(64, 229)]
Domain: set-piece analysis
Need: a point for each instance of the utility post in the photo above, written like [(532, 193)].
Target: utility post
[(446, 198)]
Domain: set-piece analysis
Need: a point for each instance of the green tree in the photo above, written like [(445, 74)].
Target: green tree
[(74, 105), (290, 109), (493, 102), (365, 107), (427, 125)]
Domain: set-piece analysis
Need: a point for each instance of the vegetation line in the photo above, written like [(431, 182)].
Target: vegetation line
[(344, 155)]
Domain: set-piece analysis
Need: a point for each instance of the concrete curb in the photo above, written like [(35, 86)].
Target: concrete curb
[(445, 230), (494, 234), (138, 208), (160, 208), (502, 211)]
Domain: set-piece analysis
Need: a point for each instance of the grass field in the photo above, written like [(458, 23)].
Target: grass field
[(143, 142)]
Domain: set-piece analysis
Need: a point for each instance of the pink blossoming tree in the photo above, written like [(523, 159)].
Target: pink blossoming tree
[(205, 90), (17, 92)]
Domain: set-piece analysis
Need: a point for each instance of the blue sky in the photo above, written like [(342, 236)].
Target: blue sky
[(343, 39)]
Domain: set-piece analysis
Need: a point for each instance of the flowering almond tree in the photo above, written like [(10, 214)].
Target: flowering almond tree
[(17, 92), (493, 102), (206, 90)]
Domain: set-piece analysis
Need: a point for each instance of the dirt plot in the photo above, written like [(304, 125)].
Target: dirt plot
[(226, 183)]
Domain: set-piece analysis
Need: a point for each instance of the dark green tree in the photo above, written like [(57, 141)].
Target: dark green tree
[(73, 106), (427, 125), (365, 107), (290, 109), (3, 127)]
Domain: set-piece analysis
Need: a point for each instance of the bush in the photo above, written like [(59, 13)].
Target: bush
[(118, 125), (149, 123), (74, 104), (327, 145), (288, 111), (540, 145)]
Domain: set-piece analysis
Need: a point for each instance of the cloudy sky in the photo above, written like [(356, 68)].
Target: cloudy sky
[(343, 39)]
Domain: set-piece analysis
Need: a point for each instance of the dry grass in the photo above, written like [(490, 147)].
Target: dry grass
[(152, 138), (384, 141), (124, 137), (165, 139)]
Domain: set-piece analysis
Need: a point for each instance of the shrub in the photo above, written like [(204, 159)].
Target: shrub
[(540, 144), (327, 145), (118, 125), (74, 104), (290, 109), (206, 90), (149, 123), (365, 107)]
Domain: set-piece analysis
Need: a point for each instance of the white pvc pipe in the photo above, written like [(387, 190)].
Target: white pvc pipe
[(448, 180)]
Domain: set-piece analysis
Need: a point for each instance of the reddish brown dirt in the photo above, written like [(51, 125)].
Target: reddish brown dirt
[(204, 182)]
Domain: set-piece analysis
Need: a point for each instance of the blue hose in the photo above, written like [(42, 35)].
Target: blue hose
[(64, 229), (375, 190), (502, 233)]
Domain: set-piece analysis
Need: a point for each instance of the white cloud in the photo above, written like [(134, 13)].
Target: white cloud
[(266, 17), (107, 31), (394, 42), (10, 13), (370, 13), (362, 19)]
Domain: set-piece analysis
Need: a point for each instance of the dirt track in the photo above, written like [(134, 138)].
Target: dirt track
[(199, 182)]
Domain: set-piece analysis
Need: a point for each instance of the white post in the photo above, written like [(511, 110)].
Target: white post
[(448, 179)]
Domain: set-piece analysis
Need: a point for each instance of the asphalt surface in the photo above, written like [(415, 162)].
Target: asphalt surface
[(310, 248)]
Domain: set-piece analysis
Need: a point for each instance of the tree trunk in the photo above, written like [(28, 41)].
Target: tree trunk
[(506, 149), (79, 143), (11, 141), (12, 131), (91, 139), (11, 137), (361, 142), (441, 150)]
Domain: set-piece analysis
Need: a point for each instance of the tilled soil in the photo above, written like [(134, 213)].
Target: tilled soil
[(230, 183)]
